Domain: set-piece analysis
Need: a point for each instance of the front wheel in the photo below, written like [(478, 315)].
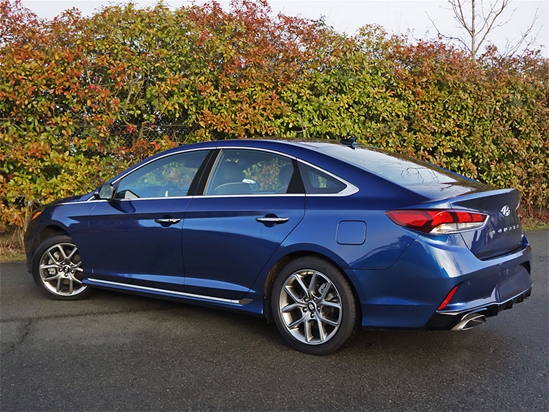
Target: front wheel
[(313, 306), (57, 269)]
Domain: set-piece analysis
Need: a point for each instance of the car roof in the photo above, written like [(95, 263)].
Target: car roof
[(353, 164)]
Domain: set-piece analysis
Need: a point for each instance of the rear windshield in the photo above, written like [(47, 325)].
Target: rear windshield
[(399, 169)]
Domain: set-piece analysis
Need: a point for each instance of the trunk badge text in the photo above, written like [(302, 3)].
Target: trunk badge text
[(506, 229)]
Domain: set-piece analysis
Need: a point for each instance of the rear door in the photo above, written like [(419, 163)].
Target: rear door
[(252, 200)]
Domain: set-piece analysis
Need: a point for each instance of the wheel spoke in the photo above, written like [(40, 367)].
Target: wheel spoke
[(52, 258), (321, 330), (325, 291), (292, 294), (329, 304), (296, 323), (76, 280), (54, 266), (74, 250), (293, 306), (300, 281), (52, 278), (312, 284), (62, 252), (308, 331), (328, 321), (59, 284)]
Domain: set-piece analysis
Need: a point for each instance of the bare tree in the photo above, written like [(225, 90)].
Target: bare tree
[(480, 18)]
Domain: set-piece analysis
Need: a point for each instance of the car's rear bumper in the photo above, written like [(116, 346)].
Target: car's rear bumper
[(409, 294), (468, 318)]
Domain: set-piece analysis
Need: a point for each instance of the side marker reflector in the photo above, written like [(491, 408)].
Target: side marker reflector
[(448, 298)]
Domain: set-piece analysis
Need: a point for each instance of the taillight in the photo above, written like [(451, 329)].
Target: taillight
[(437, 221)]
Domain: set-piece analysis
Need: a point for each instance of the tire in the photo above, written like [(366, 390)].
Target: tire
[(57, 269), (313, 306)]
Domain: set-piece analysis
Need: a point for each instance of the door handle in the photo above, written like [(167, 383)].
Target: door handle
[(272, 219), (167, 221)]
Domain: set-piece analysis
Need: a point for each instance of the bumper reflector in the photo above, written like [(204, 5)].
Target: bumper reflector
[(447, 298)]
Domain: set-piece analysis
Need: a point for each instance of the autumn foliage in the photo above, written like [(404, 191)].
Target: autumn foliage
[(74, 88)]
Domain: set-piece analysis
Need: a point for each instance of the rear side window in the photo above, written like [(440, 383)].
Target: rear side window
[(318, 182)]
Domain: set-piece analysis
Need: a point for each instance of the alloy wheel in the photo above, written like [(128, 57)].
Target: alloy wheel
[(60, 270), (310, 307)]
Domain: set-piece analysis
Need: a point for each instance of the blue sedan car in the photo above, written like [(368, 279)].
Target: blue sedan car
[(318, 237)]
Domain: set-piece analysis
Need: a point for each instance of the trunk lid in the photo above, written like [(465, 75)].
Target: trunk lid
[(502, 233)]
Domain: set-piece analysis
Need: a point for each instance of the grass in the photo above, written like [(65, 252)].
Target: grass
[(531, 224), (11, 248), (11, 254)]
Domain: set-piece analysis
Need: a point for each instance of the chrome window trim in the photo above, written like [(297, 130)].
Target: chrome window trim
[(72, 203), (254, 196), (147, 163), (260, 149), (349, 190), (147, 198)]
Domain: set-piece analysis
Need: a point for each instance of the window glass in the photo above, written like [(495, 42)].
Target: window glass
[(239, 172), (318, 182), (396, 168), (166, 177)]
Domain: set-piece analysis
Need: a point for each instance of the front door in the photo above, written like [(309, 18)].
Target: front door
[(136, 236)]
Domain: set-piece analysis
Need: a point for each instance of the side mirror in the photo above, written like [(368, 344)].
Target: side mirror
[(105, 192)]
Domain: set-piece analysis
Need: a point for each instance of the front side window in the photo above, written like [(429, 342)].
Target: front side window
[(240, 172), (170, 176)]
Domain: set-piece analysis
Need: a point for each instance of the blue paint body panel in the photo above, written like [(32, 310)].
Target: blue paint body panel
[(221, 251)]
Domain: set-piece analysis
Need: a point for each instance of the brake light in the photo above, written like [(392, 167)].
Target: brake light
[(437, 221)]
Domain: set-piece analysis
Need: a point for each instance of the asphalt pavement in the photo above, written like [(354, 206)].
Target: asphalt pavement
[(117, 352)]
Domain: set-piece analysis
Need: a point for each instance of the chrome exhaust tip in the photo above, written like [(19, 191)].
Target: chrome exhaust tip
[(470, 321)]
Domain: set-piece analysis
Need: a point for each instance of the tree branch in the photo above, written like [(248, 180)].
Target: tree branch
[(479, 20)]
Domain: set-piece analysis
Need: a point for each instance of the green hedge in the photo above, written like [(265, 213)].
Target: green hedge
[(68, 86)]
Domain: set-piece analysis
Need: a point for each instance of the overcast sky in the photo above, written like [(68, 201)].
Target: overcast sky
[(396, 16)]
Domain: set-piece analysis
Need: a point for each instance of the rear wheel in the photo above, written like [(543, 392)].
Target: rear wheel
[(57, 269), (313, 306)]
